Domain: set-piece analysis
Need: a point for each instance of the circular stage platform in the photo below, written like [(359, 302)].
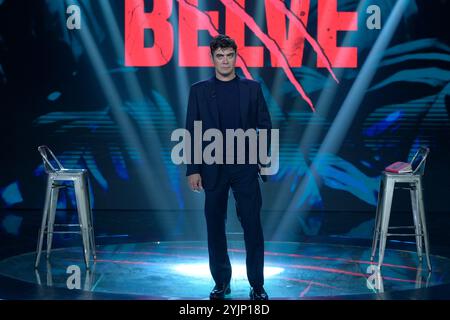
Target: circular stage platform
[(179, 270)]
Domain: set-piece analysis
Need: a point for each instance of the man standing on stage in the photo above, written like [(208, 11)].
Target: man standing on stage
[(227, 101)]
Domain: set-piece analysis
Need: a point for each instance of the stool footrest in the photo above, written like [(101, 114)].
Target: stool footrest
[(402, 227), (405, 234), (77, 232), (406, 188)]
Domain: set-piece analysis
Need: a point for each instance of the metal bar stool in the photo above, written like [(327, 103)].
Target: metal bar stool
[(57, 174), (413, 182)]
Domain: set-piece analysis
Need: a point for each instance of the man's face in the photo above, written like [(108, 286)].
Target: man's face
[(224, 60)]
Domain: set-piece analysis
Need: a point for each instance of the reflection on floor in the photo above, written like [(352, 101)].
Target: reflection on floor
[(179, 270)]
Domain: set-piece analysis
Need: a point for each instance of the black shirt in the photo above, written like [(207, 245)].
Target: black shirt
[(228, 104), (229, 112)]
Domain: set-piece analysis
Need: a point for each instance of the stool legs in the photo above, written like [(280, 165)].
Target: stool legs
[(377, 224), (51, 217), (423, 223), (385, 215), (90, 217), (85, 217), (44, 221), (417, 221), (91, 234), (381, 230)]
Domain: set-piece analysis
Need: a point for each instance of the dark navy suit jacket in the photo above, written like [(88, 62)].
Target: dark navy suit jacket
[(202, 106)]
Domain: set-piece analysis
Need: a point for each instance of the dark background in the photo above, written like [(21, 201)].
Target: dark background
[(52, 91)]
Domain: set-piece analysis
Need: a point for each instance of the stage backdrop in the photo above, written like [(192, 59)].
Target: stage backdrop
[(351, 85)]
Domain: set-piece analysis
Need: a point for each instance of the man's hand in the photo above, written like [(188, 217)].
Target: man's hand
[(195, 182)]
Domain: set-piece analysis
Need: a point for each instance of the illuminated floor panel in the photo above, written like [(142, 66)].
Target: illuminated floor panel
[(179, 270)]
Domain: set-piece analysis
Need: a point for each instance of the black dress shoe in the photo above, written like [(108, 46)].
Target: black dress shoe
[(258, 294), (219, 291)]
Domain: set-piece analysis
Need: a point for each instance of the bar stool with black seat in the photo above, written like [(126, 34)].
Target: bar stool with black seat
[(57, 175), (411, 179)]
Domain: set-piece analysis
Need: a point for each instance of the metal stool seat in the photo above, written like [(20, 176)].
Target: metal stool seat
[(413, 182), (57, 175)]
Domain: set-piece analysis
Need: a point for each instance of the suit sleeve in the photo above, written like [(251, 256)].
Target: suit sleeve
[(191, 116)]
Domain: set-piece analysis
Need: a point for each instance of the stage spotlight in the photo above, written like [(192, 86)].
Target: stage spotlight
[(341, 124)]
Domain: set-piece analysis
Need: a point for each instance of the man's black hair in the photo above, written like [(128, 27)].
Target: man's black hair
[(222, 41)]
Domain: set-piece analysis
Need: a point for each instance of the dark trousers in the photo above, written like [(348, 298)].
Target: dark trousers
[(244, 183)]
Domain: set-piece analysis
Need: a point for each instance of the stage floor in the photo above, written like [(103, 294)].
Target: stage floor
[(179, 270)]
